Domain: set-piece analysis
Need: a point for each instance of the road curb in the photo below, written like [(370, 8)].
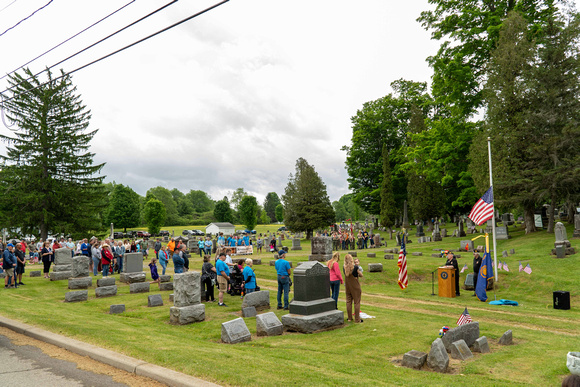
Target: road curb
[(114, 359)]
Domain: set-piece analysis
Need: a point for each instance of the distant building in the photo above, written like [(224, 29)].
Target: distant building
[(216, 228)]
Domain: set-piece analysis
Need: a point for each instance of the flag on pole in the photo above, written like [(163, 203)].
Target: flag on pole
[(402, 263), (521, 267), (505, 266), (485, 274), (482, 211), (528, 269), (464, 318), (464, 268)]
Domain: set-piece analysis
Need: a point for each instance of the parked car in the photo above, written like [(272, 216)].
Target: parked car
[(118, 235), (283, 228), (249, 231), (143, 234), (163, 233), (198, 232), (187, 232)]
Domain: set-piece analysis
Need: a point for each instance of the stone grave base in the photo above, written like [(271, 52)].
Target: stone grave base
[(35, 273), (57, 268), (76, 296), (60, 275), (131, 278), (314, 322), (186, 314), (320, 257), (80, 283), (312, 307)]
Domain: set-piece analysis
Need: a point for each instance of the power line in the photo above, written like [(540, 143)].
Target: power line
[(63, 42), (119, 50), (13, 1), (94, 44), (27, 17)]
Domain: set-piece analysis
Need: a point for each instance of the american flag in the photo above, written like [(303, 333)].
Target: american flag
[(505, 267), (464, 318), (402, 263), (464, 268), (528, 269), (499, 266), (521, 267), (482, 211)]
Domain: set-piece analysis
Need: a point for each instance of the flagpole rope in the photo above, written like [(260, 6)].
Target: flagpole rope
[(493, 218)]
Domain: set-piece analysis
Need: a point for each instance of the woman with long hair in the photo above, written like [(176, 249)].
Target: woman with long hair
[(352, 273), (335, 276), (46, 254)]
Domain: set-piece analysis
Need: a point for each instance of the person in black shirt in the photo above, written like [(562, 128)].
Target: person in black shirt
[(452, 261), (476, 265)]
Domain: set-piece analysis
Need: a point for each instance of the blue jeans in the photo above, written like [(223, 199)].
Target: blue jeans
[(120, 263), (95, 265), (105, 270), (248, 291), (283, 285), (208, 250), (164, 266), (201, 251), (335, 288)]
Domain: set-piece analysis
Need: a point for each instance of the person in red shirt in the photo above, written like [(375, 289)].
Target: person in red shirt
[(106, 259), (335, 276)]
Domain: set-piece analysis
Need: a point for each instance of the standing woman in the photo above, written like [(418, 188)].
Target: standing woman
[(208, 278), (476, 265), (46, 254), (106, 259), (96, 256), (452, 261), (163, 258), (20, 262), (352, 273), (335, 276)]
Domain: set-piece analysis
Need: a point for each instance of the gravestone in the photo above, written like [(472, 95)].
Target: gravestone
[(164, 278), (62, 269), (437, 233), (414, 359), (59, 275), (468, 332), (296, 244), (504, 254), (573, 362), (133, 263), (35, 273), (501, 232), (80, 266), (154, 300), (259, 300), (388, 256), (106, 291), (417, 253), (489, 226), (561, 236), (371, 255), (377, 240), (419, 232), (267, 324), (116, 309), (438, 358), (512, 251), (280, 242), (187, 299), (560, 252), (576, 226), (139, 287), (62, 256), (461, 231), (353, 254), (76, 296), (469, 282), (106, 281), (375, 267), (249, 311), (321, 249), (405, 216), (506, 338), (466, 243), (312, 308), (131, 278), (460, 350), (235, 331), (444, 233), (481, 345), (80, 283)]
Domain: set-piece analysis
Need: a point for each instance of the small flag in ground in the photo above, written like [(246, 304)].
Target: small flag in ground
[(528, 269), (464, 318), (464, 268), (402, 263), (521, 267), (499, 266), (482, 211), (505, 267)]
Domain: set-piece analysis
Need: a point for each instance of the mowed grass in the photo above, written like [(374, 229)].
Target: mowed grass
[(357, 354)]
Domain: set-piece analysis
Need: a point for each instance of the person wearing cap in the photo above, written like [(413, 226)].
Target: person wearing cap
[(223, 277), (106, 258), (283, 271), (452, 261), (476, 265), (9, 261)]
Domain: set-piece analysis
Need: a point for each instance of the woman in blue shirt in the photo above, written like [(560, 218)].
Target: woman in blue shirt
[(249, 277)]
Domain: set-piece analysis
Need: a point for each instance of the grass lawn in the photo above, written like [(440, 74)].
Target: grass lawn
[(357, 354)]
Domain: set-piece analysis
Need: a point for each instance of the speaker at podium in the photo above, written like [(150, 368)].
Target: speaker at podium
[(446, 284)]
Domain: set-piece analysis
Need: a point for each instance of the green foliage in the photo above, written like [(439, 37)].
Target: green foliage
[(306, 203), (270, 203), (248, 209), (237, 197), (165, 196), (223, 211), (388, 207), (264, 218), (48, 181), (154, 214), (124, 207), (200, 201), (279, 212)]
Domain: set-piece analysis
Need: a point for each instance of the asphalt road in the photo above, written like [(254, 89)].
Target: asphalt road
[(26, 365)]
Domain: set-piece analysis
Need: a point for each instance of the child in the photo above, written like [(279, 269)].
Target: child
[(154, 274), (357, 263)]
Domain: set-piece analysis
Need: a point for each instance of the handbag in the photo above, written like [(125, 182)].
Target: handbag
[(213, 282)]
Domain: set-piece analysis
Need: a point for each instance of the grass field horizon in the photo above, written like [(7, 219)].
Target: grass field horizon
[(363, 354)]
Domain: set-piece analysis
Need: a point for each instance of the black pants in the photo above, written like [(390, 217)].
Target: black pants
[(46, 266), (457, 282), (208, 289), (475, 281)]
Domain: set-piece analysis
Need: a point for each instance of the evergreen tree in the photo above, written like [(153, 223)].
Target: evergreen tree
[(248, 209), (306, 203), (272, 200), (48, 178), (280, 212), (223, 211), (124, 207), (154, 214)]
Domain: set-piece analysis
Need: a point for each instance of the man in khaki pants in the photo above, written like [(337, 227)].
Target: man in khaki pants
[(223, 277)]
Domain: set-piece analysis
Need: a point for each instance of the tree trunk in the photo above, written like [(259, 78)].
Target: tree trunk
[(571, 209), (529, 219), (308, 235), (551, 218)]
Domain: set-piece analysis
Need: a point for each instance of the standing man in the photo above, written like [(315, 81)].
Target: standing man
[(452, 261), (157, 247), (223, 277), (9, 261), (120, 251), (208, 246), (221, 241), (283, 271), (476, 265)]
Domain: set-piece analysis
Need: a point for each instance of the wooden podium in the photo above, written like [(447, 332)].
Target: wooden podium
[(446, 275)]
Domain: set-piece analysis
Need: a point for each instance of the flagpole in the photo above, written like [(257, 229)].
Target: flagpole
[(493, 217)]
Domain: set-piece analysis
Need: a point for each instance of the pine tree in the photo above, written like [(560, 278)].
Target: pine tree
[(49, 181), (248, 209)]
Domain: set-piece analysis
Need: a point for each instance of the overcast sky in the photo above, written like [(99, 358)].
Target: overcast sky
[(229, 99)]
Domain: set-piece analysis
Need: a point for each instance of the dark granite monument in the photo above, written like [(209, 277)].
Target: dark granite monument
[(321, 249)]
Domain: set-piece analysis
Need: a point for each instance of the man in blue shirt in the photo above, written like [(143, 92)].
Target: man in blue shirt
[(85, 247), (246, 240), (283, 270), (223, 272), (9, 263)]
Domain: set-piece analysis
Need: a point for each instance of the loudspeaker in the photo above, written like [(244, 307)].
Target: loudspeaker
[(561, 300)]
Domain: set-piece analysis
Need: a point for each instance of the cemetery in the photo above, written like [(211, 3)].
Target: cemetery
[(399, 344)]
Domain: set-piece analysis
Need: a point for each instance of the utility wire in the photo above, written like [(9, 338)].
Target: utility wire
[(94, 44), (119, 50), (13, 1), (27, 17), (63, 42)]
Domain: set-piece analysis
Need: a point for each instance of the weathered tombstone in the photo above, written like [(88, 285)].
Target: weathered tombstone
[(235, 331), (417, 253), (59, 275), (62, 256), (259, 300), (154, 300), (504, 254), (466, 245), (76, 296), (461, 231), (501, 232), (576, 233), (460, 350), (414, 359), (371, 255), (573, 362), (80, 266), (164, 278), (312, 308), (139, 287), (489, 226), (506, 338), (62, 269), (481, 345), (131, 278), (187, 299), (353, 254), (296, 244), (80, 283), (280, 241), (321, 249), (419, 232), (405, 216), (512, 251), (438, 358), (267, 324), (561, 237), (468, 332), (469, 281), (444, 233), (116, 309), (377, 240), (389, 256), (35, 273), (437, 233), (249, 311), (133, 263), (560, 252), (106, 281), (375, 267), (106, 291)]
